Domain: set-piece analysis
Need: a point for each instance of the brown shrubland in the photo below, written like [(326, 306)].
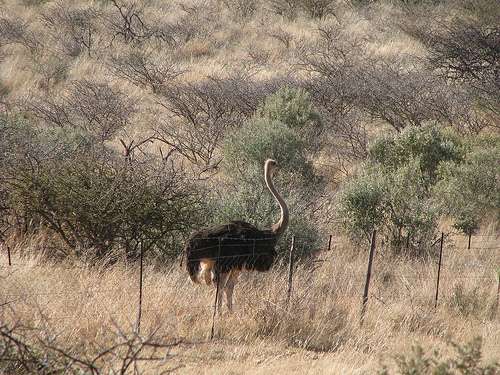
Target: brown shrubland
[(166, 83)]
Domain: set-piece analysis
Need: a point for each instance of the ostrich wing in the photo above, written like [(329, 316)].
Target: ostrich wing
[(233, 245)]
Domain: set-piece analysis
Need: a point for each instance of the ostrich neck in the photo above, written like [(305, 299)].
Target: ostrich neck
[(279, 227)]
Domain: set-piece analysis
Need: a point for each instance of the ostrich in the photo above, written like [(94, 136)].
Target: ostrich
[(218, 254)]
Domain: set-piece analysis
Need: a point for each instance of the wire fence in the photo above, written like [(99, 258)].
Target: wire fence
[(247, 254)]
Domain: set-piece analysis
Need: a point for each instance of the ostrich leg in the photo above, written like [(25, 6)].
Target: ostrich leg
[(230, 283), (222, 279)]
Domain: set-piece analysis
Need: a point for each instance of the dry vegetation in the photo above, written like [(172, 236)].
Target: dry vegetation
[(152, 102), (82, 311)]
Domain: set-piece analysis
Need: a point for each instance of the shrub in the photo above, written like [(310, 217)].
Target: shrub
[(464, 49), (204, 112), (241, 9), (429, 144), (71, 30), (96, 108), (126, 20), (468, 191), (91, 197), (285, 8), (467, 360), (396, 203), (318, 8), (278, 131), (262, 138), (394, 192), (294, 108), (51, 68), (144, 69), (362, 203), (402, 94), (103, 204)]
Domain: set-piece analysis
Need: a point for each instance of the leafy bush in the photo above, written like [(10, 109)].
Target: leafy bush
[(362, 202), (394, 191), (430, 145), (469, 190), (91, 197), (467, 360), (294, 108), (261, 139)]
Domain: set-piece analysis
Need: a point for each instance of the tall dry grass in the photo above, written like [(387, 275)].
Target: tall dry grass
[(82, 308)]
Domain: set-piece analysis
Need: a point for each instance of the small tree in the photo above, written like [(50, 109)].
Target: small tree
[(71, 29), (294, 108), (95, 108)]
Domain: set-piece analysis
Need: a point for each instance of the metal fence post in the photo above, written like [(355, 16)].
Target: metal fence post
[(470, 235), (368, 276), (290, 272), (330, 243), (439, 269)]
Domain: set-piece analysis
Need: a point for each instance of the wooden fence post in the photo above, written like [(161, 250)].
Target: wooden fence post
[(439, 269), (368, 276), (141, 265), (290, 272), (217, 276)]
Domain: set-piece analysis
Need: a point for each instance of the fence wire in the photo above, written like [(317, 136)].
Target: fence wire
[(247, 252)]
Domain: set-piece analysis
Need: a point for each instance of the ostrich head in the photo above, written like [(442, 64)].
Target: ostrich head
[(270, 166)]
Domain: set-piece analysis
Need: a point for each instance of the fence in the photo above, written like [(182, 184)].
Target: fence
[(244, 252)]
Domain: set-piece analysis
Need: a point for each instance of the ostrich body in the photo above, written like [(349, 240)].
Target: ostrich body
[(218, 254)]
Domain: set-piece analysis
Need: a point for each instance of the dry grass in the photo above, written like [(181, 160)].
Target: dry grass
[(320, 332), (82, 307)]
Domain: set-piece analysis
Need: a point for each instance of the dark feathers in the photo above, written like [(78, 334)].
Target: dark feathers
[(236, 245)]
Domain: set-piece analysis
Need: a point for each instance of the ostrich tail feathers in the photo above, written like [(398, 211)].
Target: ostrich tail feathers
[(193, 268)]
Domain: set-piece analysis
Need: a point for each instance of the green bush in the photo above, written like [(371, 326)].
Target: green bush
[(362, 203), (429, 144), (261, 139), (469, 190), (467, 360), (101, 203), (394, 192), (293, 107), (90, 196)]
